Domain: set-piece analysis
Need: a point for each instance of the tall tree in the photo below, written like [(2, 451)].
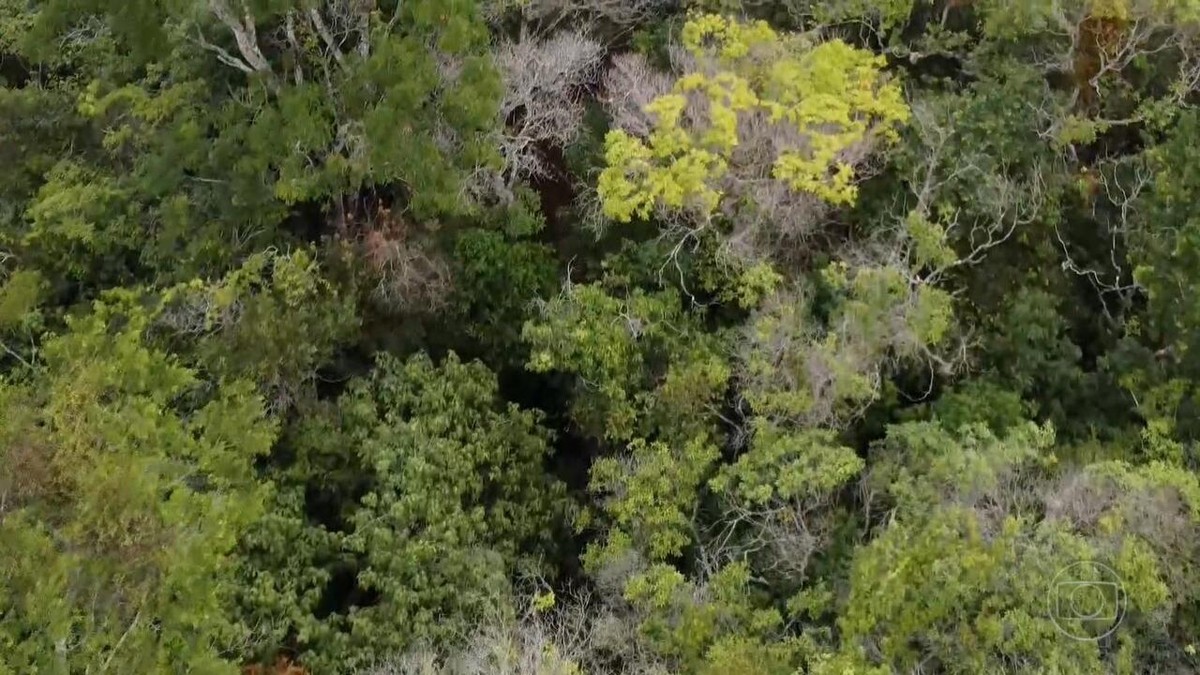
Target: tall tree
[(125, 482)]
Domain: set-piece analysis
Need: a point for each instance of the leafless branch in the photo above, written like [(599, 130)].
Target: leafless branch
[(223, 55), (333, 47), (245, 33), (542, 107)]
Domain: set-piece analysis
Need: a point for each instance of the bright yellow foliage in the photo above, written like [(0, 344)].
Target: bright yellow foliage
[(635, 180), (729, 39), (834, 88), (820, 102), (727, 94), (1115, 10)]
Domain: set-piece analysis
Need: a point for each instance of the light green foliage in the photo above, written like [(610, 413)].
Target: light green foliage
[(784, 466), (19, 297), (640, 359), (1021, 18), (929, 240), (273, 321), (755, 283), (1145, 518), (797, 368), (21, 318), (70, 203), (831, 95), (633, 185), (1150, 478), (833, 85), (960, 589), (652, 489), (704, 627), (779, 332), (885, 306), (506, 642), (1159, 404), (775, 502), (589, 332), (964, 540), (127, 485), (747, 656), (941, 591), (77, 217), (921, 465), (744, 283)]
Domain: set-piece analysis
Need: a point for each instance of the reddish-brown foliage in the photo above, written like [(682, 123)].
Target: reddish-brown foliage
[(282, 666), (1099, 39)]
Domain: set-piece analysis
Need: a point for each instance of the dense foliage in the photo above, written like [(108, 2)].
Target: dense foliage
[(553, 337)]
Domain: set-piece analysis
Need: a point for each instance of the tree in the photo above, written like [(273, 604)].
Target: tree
[(235, 120), (125, 483), (500, 273), (21, 320), (776, 508), (797, 371), (959, 575), (642, 362), (1163, 241), (813, 336), (762, 129), (439, 497), (1098, 49), (542, 106), (274, 321)]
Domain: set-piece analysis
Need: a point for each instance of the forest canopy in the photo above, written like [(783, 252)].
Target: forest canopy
[(599, 337)]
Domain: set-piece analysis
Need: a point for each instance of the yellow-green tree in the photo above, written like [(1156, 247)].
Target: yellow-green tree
[(125, 483), (760, 123)]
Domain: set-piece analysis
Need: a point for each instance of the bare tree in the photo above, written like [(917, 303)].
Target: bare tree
[(241, 24), (1096, 47), (804, 373), (580, 633), (545, 81), (630, 84), (1114, 207), (779, 538), (1004, 201), (406, 271), (1158, 513), (1001, 204), (340, 27), (623, 14), (1080, 500)]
